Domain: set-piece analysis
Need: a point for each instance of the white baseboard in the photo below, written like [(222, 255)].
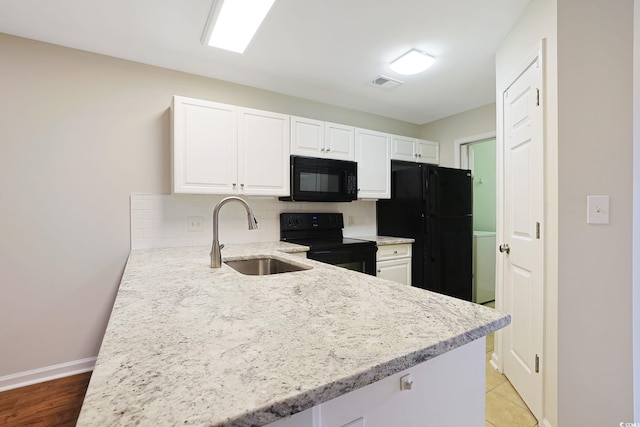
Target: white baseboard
[(545, 423), (495, 362), (47, 373)]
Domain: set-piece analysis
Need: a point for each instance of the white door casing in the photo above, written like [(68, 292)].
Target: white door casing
[(521, 237)]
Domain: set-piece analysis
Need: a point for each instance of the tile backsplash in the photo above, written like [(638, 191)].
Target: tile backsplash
[(162, 220)]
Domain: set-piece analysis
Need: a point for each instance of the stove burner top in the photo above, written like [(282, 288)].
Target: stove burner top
[(317, 230), (320, 243), (322, 233)]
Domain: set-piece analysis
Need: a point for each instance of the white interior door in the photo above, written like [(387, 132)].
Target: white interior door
[(522, 245)]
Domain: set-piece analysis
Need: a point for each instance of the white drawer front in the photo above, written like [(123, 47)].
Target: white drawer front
[(393, 251)]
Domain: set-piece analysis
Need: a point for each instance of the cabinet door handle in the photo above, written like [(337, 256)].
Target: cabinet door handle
[(379, 271), (328, 149), (234, 185)]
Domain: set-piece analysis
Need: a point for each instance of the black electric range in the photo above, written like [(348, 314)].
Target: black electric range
[(322, 233)]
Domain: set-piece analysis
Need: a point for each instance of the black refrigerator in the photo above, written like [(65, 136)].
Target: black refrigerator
[(433, 205)]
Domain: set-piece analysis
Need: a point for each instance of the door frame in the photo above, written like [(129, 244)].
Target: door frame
[(458, 143), (536, 54), (458, 162)]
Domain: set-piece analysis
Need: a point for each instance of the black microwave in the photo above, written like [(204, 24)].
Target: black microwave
[(322, 180)]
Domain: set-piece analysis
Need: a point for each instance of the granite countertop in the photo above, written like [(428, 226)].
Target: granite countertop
[(191, 345), (386, 240)]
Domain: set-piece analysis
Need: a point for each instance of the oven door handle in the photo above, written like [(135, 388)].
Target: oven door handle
[(317, 252)]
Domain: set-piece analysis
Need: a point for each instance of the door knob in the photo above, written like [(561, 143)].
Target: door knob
[(505, 248)]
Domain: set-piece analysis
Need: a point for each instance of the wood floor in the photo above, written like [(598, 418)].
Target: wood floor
[(52, 403)]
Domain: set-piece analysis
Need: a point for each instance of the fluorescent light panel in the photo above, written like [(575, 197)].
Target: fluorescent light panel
[(412, 62), (236, 23)]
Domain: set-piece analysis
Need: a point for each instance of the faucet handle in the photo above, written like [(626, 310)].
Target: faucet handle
[(253, 221), (221, 246)]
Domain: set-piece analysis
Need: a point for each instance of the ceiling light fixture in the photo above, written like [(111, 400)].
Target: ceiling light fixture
[(233, 23), (412, 62)]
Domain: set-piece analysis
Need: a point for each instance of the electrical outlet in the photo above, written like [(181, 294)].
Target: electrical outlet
[(195, 223), (350, 220)]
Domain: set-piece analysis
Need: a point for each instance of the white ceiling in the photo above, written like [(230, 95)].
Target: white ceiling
[(323, 50)]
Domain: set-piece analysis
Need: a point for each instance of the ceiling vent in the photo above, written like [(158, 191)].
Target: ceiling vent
[(386, 82)]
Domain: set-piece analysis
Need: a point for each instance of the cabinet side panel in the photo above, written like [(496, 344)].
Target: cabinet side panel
[(447, 391)]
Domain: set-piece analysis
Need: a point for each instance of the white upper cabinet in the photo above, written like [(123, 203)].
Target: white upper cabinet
[(315, 138), (428, 151), (339, 141), (373, 153), (263, 154), (307, 137), (204, 146), (415, 150), (224, 149)]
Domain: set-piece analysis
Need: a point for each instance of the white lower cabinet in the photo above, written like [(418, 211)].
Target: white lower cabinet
[(398, 270), (446, 391), (394, 263)]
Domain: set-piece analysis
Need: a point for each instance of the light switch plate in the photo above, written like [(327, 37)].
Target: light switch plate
[(355, 423), (597, 209)]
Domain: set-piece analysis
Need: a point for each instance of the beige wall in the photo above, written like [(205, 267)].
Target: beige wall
[(80, 133), (587, 365), (636, 210), (595, 153), (468, 124)]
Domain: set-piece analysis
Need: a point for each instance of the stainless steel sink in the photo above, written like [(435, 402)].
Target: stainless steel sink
[(264, 266)]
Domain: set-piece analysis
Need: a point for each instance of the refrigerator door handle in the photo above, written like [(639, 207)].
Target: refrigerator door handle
[(432, 193), (433, 236)]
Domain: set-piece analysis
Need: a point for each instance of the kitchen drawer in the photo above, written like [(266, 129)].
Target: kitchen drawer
[(393, 251)]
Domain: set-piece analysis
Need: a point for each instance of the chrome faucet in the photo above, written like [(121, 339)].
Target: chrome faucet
[(216, 258)]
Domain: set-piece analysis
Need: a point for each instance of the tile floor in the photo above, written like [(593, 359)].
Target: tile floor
[(505, 408)]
